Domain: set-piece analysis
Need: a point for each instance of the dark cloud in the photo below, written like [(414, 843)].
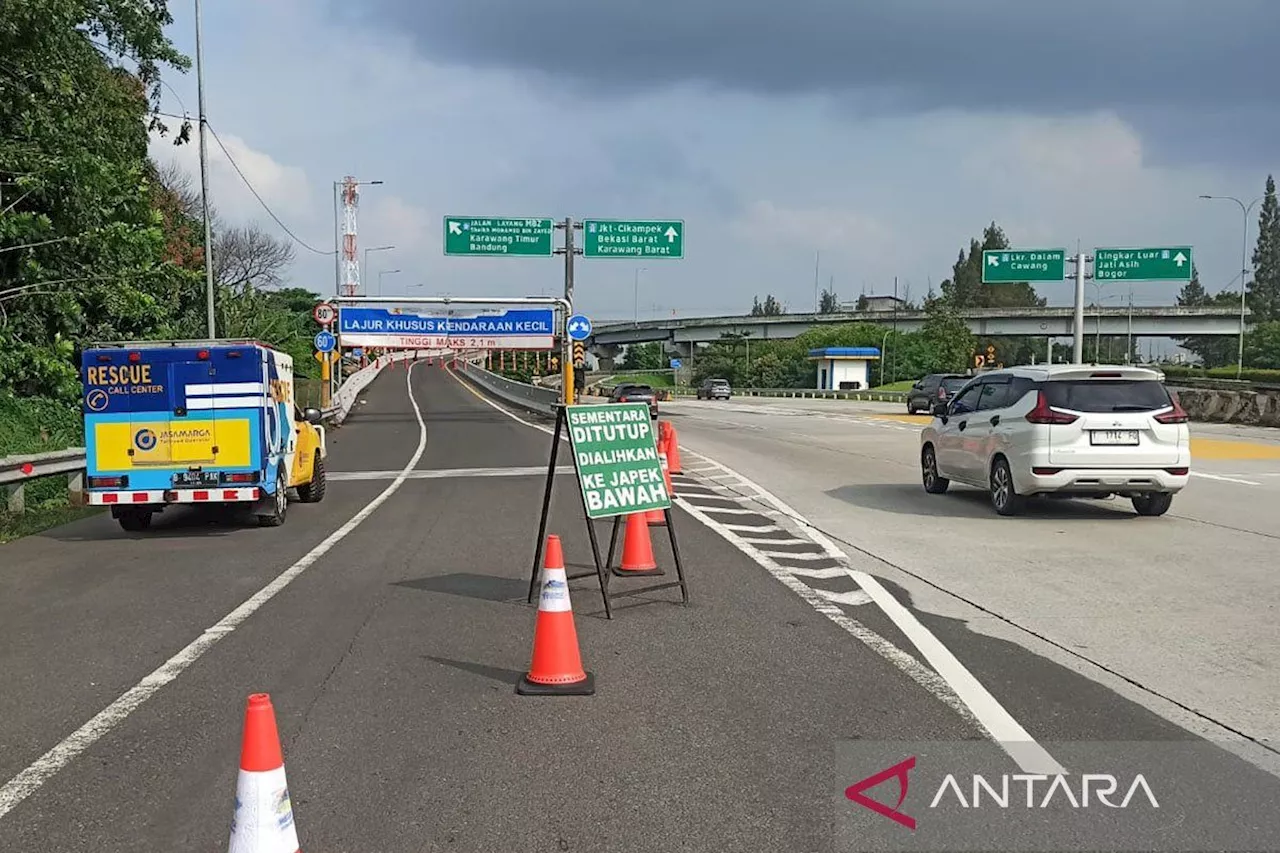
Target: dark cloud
[(906, 55)]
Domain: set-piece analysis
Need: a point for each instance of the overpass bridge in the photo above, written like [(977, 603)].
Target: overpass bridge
[(1146, 321)]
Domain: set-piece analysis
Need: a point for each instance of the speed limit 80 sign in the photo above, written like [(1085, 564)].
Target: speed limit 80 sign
[(325, 313)]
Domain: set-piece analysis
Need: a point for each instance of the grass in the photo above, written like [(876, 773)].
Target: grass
[(901, 385), (38, 425), (38, 520)]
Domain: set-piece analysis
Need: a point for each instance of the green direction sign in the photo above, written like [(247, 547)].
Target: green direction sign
[(1002, 266), (1161, 263), (496, 235), (633, 238), (616, 453)]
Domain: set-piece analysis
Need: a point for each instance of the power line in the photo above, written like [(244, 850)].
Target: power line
[(249, 184), (303, 243)]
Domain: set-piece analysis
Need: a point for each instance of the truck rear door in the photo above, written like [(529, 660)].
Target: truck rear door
[(193, 432)]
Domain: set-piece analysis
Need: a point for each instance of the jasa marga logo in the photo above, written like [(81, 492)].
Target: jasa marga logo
[(147, 439)]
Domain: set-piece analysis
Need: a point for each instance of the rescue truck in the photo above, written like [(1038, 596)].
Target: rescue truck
[(197, 422)]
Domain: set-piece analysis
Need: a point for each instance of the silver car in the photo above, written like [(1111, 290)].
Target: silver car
[(715, 389)]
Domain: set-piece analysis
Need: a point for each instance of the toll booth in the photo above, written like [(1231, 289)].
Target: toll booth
[(844, 368)]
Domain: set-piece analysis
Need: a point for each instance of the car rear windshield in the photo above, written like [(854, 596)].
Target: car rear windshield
[(954, 383), (720, 383), (637, 390), (1107, 395)]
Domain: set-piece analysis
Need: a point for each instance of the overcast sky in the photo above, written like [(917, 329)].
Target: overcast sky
[(881, 138)]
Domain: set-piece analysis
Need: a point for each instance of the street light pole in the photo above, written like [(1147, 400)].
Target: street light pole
[(635, 301), (381, 273), (204, 175), (365, 273), (1244, 267)]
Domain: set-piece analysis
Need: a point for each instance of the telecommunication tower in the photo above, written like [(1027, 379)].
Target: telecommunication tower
[(350, 263)]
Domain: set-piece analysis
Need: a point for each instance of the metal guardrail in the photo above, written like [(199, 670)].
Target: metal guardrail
[(17, 471), (531, 397)]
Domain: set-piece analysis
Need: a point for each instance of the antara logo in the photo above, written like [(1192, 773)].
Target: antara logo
[(1089, 789)]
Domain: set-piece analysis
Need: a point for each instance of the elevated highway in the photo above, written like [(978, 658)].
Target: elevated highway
[(1145, 321)]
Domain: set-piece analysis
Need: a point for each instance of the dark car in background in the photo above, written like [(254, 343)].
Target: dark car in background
[(714, 389), (628, 393), (934, 388)]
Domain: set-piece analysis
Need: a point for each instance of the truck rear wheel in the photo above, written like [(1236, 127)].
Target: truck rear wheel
[(313, 492), (135, 521), (279, 505)]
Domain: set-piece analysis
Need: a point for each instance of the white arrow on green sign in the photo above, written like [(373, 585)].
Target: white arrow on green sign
[(1004, 266), (1158, 263), (479, 236), (633, 238), (615, 452)]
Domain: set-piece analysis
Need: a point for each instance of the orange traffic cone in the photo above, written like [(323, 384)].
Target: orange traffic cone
[(637, 549), (263, 819), (556, 669), (666, 474), (673, 449)]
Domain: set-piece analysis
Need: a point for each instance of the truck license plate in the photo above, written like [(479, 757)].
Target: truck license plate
[(1113, 436), (196, 478)]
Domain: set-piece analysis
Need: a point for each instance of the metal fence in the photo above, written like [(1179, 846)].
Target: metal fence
[(530, 397)]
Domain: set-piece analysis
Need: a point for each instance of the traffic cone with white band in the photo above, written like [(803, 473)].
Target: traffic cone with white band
[(263, 819), (556, 668)]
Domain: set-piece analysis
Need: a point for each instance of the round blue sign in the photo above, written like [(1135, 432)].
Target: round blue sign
[(325, 342), (579, 328)]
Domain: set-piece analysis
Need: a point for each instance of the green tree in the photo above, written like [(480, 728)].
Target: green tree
[(1262, 346), (1263, 294), (82, 249), (965, 288), (1212, 350), (769, 308), (647, 356), (947, 339), (828, 304)]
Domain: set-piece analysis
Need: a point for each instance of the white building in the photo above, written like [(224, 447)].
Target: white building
[(844, 368)]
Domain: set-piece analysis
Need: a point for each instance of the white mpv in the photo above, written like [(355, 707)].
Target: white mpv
[(1061, 431)]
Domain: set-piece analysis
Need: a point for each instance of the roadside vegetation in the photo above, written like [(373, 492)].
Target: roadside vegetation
[(98, 242)]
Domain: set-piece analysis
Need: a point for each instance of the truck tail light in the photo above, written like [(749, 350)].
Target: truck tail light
[(251, 477), (109, 482)]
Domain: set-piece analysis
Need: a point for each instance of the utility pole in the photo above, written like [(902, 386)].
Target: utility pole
[(204, 175), (566, 346), (817, 259)]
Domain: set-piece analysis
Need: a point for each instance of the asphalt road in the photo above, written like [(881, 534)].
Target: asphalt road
[(392, 651), (1175, 611)]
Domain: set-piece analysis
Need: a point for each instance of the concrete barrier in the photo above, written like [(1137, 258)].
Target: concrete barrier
[(1256, 408)]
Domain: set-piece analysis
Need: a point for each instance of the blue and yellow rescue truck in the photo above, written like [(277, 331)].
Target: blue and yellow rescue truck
[(197, 422)]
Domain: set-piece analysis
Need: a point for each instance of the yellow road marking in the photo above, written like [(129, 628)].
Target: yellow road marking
[(1201, 448), (1223, 449)]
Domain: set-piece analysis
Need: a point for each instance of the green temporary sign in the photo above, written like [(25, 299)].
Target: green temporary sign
[(497, 235), (1159, 263), (633, 238), (1003, 266), (616, 453)]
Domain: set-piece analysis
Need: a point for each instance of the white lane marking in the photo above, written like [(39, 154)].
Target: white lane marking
[(46, 766), (444, 473), (799, 555), (949, 681), (753, 528), (1224, 479), (853, 597), (998, 722), (734, 511), (818, 574)]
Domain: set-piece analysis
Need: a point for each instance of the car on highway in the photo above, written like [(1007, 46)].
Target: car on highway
[(932, 389), (632, 393), (714, 389), (1061, 431)]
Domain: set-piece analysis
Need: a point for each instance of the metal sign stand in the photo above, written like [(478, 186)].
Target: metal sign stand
[(601, 568)]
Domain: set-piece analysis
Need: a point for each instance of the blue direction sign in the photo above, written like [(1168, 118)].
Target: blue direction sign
[(325, 342), (579, 328), (676, 363)]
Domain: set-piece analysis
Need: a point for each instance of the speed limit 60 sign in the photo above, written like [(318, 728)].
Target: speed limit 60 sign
[(324, 313)]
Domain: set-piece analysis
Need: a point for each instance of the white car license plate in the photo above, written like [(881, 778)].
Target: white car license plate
[(1113, 436)]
